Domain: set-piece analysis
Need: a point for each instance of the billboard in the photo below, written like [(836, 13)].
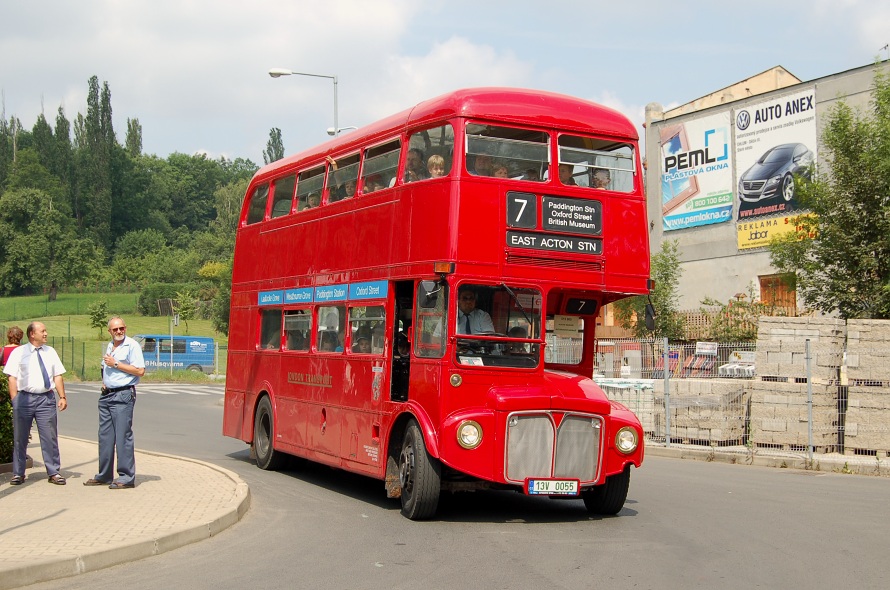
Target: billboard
[(775, 143), (696, 172)]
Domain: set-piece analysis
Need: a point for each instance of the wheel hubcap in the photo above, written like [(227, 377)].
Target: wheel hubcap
[(406, 469)]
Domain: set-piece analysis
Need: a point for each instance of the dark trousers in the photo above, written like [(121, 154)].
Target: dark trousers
[(41, 408), (116, 432)]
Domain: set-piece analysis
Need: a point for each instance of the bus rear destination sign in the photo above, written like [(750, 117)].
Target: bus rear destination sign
[(554, 243)]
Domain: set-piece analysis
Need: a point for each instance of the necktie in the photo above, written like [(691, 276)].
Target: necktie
[(469, 331), (43, 370)]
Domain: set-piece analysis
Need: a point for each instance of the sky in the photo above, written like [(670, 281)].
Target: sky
[(195, 72)]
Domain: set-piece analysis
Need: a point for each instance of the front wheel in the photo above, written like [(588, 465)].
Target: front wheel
[(419, 476), (263, 434), (788, 187), (608, 498)]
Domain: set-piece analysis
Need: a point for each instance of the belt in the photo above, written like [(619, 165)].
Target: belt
[(36, 393), (107, 390)]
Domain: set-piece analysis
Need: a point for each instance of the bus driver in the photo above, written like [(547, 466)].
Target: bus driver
[(471, 320)]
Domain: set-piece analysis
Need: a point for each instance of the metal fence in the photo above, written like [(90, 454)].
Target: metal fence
[(645, 359), (83, 358), (821, 399)]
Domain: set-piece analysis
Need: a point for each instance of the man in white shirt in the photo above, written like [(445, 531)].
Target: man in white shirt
[(35, 376), (471, 320)]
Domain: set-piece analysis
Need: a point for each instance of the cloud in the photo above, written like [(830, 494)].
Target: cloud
[(406, 80)]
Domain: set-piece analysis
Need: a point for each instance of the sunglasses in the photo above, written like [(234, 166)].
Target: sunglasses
[(121, 329)]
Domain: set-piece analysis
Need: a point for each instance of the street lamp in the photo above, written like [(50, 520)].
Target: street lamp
[(337, 132), (278, 72)]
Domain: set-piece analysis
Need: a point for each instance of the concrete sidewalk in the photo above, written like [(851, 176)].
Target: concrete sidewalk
[(50, 531)]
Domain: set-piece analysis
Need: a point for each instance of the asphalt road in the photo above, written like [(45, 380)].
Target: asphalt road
[(686, 524)]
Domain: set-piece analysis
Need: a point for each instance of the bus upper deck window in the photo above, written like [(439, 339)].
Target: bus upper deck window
[(430, 154), (283, 195), (342, 178), (596, 163), (380, 166), (507, 152), (309, 186), (256, 211)]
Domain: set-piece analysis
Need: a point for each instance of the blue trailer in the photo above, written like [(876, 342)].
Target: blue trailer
[(191, 353)]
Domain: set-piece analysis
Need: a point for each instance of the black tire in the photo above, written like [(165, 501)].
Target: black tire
[(608, 498), (195, 368), (788, 187), (263, 434), (419, 475)]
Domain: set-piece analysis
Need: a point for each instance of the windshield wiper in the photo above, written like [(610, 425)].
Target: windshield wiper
[(518, 304)]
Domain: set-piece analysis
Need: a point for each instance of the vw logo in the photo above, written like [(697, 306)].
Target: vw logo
[(742, 120)]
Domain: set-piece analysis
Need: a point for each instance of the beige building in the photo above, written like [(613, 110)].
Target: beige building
[(718, 176)]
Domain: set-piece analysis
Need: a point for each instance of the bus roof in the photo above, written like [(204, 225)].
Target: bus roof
[(505, 105)]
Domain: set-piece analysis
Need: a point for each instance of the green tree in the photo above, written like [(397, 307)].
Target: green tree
[(98, 313), (134, 137), (840, 255), (48, 254), (186, 307), (665, 270), (737, 319), (274, 147), (93, 198)]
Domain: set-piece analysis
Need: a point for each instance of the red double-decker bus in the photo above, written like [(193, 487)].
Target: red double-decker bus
[(415, 301)]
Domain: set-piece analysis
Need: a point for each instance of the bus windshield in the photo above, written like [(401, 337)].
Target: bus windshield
[(498, 326)]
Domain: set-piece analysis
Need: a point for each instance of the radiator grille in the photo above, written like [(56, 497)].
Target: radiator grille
[(536, 448)]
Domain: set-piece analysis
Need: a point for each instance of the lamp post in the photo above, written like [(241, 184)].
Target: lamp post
[(278, 72)]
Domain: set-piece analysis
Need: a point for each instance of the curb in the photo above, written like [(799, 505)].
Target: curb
[(139, 548), (820, 463)]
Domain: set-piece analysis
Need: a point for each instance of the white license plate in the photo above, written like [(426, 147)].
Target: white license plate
[(553, 487)]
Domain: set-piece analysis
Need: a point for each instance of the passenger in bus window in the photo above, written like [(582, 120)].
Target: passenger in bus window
[(313, 200), (482, 165), (436, 166), (500, 170), (517, 347), (600, 178), (415, 169), (565, 174), (372, 183), (362, 345), (349, 189), (471, 320), (329, 342), (532, 175)]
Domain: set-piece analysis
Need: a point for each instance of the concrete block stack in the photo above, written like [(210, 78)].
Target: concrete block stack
[(781, 349), (779, 410), (867, 420), (779, 415), (704, 410)]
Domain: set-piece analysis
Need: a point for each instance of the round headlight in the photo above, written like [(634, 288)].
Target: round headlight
[(626, 440), (469, 434)]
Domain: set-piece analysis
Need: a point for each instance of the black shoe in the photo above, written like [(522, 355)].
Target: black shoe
[(17, 480)]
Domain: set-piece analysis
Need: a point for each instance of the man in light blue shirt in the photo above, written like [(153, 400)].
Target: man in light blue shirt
[(122, 366)]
